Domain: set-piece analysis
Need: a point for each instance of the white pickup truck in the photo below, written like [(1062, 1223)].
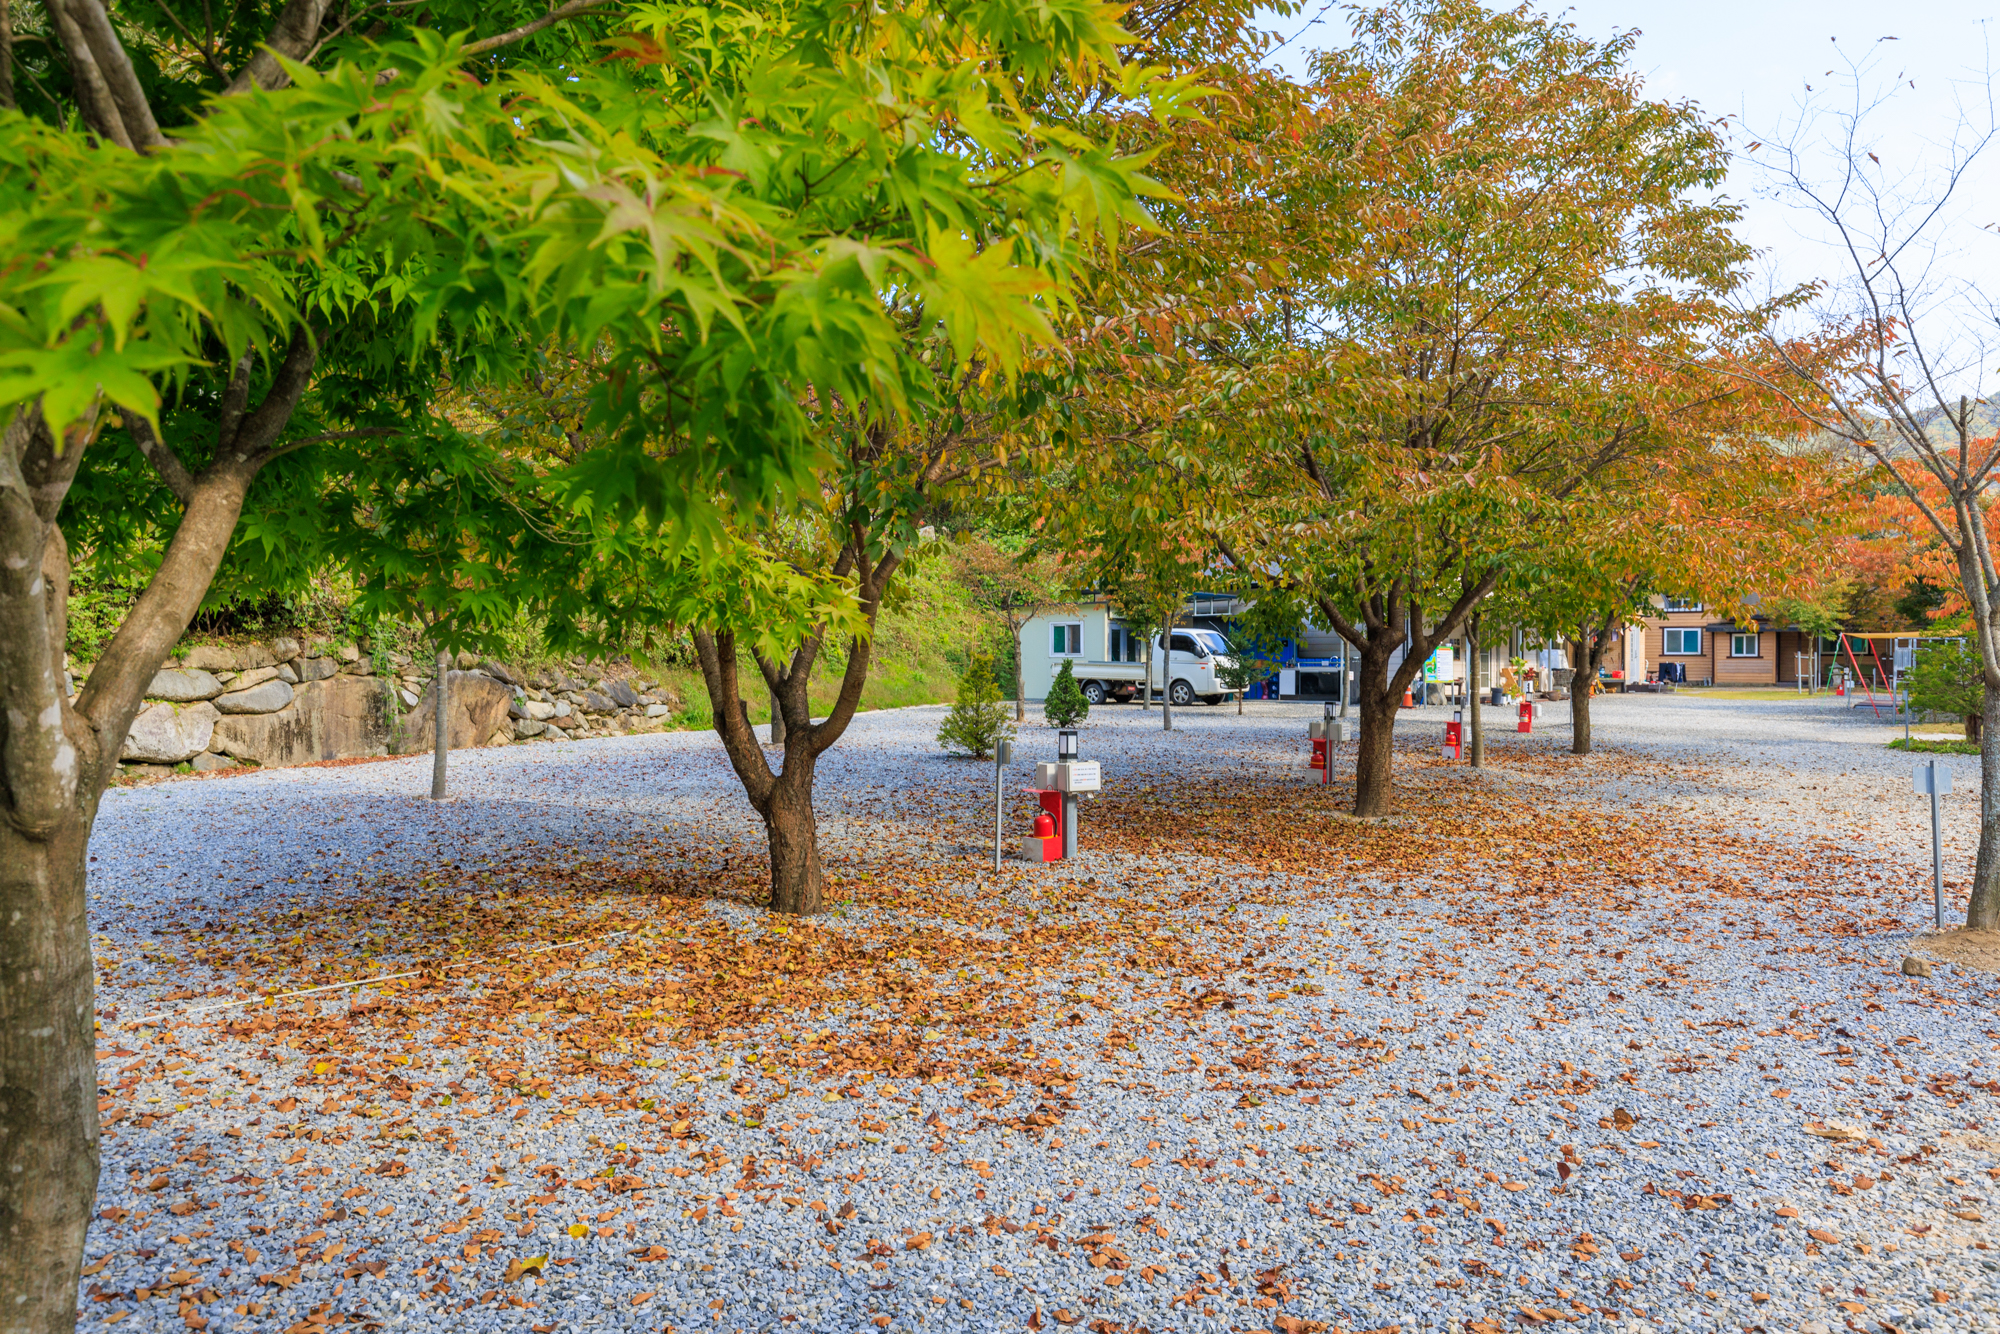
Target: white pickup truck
[(1196, 655)]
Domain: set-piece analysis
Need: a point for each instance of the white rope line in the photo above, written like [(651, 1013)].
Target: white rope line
[(368, 981)]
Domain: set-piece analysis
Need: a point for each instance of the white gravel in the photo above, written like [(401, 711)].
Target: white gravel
[(1725, 1023)]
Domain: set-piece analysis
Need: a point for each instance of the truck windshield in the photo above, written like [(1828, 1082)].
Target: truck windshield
[(1201, 642)]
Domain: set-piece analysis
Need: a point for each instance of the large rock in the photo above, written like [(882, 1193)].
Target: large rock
[(169, 734), (336, 719), (596, 703), (539, 711), (183, 685), (265, 697), (256, 676), (213, 658), (315, 669), (477, 708), (284, 650), (622, 695)]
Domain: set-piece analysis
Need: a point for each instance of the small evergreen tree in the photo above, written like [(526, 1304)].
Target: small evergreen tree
[(1065, 706), (979, 719), (1947, 678)]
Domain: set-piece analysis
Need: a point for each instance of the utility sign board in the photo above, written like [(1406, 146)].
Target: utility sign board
[(1079, 776), (1928, 774)]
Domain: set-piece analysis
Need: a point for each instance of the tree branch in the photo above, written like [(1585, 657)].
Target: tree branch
[(716, 654), (256, 434), (292, 36), (165, 462), (7, 102), (114, 66), (40, 764), (526, 30), (93, 97)]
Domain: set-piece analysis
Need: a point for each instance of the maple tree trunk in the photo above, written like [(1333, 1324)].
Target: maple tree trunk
[(1020, 677), (1478, 738), (48, 1076), (1587, 654), (1982, 912), (57, 754), (793, 833), (1374, 753), (1579, 717), (784, 799)]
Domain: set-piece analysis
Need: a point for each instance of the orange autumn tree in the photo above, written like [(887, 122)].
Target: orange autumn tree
[(1441, 394), (1737, 522)]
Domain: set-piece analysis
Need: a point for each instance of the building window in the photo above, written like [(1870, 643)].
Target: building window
[(1744, 645), (1686, 643), (1682, 604), (1066, 640), (1124, 645)]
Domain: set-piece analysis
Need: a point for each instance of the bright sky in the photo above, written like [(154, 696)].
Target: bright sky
[(1753, 60)]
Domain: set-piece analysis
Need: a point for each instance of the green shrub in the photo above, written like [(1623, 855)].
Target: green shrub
[(1947, 678), (1065, 706), (978, 720)]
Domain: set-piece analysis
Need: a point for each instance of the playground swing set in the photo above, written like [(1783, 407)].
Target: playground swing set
[(1879, 673)]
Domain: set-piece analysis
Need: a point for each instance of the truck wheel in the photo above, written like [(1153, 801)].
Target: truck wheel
[(1180, 693), (1213, 700), (1093, 693)]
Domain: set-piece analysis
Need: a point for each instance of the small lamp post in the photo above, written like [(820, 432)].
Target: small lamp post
[(1066, 754)]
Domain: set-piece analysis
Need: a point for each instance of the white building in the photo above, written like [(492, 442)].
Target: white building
[(1085, 631)]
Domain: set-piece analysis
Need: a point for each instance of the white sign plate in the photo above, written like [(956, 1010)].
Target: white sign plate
[(1080, 776), (1923, 780)]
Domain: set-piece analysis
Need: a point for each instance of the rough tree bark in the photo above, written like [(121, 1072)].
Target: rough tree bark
[(57, 754), (1477, 740), (784, 799), (1391, 619), (1587, 652), (1020, 677), (6, 56)]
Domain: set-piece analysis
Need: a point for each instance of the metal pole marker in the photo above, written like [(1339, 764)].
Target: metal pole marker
[(1935, 782), (1003, 755)]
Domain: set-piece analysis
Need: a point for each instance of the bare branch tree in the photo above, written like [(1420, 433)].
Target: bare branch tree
[(1905, 337)]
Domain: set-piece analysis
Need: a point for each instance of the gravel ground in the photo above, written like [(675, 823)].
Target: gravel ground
[(1630, 1050)]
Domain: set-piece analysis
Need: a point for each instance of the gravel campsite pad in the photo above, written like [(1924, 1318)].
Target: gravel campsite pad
[(1614, 1043)]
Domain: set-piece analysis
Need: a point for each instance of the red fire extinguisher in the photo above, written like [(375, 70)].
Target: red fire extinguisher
[(1044, 826)]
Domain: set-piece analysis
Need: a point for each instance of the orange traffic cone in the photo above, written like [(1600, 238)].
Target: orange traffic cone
[(1408, 702)]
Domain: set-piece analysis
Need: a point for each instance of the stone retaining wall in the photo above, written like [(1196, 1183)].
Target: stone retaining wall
[(286, 703)]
